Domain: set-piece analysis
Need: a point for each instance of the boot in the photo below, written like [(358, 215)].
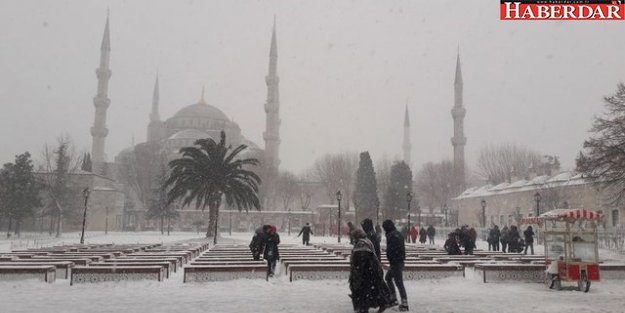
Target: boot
[(403, 307)]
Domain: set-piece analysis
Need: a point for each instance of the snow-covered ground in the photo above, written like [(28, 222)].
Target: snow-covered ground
[(279, 295)]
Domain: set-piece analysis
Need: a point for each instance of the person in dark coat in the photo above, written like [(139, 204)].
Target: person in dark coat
[(514, 240), (466, 240), (422, 235), (271, 254), (404, 232), (372, 235), (351, 228), (258, 242), (413, 234), (493, 238), (306, 231), (504, 238), (431, 233), (366, 277), (396, 254), (451, 245), (529, 239)]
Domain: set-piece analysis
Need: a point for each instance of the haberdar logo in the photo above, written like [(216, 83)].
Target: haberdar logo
[(562, 10)]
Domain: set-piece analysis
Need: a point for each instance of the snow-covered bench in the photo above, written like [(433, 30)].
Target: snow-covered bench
[(63, 268), (177, 260), (91, 274), (168, 268), (203, 273), (319, 271), (287, 263), (511, 272), (612, 271), (46, 273), (430, 271), (172, 267), (75, 260)]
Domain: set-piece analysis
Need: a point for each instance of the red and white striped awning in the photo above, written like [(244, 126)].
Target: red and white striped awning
[(563, 214)]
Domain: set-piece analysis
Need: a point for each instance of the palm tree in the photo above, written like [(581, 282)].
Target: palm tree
[(209, 173)]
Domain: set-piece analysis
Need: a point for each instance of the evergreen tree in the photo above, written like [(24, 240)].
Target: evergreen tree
[(365, 196), (603, 157), (395, 204), (19, 191)]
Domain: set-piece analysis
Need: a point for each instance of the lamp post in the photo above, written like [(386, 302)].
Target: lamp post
[(483, 202), (289, 222), (85, 193), (230, 224), (339, 196), (445, 209), (537, 199), (408, 199)]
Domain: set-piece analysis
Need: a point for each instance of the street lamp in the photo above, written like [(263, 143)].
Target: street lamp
[(289, 221), (408, 199), (483, 212), (445, 209), (85, 193), (339, 196), (537, 199)]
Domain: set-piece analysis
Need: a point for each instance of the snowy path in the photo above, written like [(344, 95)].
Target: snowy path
[(466, 295)]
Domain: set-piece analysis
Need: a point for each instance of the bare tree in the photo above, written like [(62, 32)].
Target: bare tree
[(58, 164), (336, 172), (306, 189), (287, 189), (499, 163), (436, 184)]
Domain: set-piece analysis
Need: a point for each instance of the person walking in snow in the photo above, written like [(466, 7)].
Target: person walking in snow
[(413, 234), (373, 236), (431, 233), (422, 235), (306, 231), (351, 228), (366, 277), (504, 238), (396, 254), (258, 243), (495, 234), (271, 254), (529, 239)]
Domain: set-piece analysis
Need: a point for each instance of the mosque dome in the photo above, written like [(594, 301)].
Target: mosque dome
[(202, 111)]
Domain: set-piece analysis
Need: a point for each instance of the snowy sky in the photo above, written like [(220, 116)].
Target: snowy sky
[(346, 69)]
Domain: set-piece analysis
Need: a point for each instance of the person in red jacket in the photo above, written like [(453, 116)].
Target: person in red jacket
[(413, 234)]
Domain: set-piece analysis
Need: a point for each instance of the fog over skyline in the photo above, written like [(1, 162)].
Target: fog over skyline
[(346, 71)]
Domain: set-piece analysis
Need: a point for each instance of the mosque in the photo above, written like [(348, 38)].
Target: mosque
[(120, 187)]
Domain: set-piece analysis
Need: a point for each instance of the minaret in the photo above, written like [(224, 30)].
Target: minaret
[(406, 146), (156, 130), (459, 140), (272, 109), (101, 103)]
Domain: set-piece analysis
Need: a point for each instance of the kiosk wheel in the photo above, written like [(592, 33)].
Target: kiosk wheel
[(583, 284)]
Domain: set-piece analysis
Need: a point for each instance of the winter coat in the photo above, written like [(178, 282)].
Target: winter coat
[(504, 238), (413, 233), (271, 247), (529, 235), (258, 243), (372, 235), (431, 231), (366, 277), (395, 249), (493, 235), (422, 235), (306, 231), (451, 246)]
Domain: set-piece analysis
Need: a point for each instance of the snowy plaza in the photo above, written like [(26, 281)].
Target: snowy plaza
[(453, 294)]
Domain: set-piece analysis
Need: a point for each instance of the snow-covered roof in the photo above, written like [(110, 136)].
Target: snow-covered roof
[(539, 182)]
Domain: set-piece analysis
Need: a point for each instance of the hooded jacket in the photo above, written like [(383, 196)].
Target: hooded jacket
[(395, 249), (367, 226)]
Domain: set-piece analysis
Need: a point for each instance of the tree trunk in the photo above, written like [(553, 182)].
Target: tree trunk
[(162, 218), (216, 225), (18, 230), (9, 227), (51, 229), (59, 225), (168, 225)]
